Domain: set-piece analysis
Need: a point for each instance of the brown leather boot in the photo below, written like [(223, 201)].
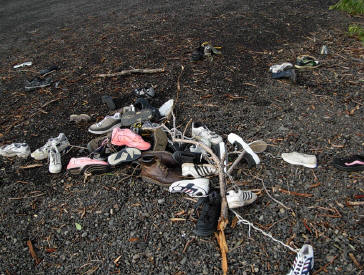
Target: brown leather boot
[(165, 157), (153, 171)]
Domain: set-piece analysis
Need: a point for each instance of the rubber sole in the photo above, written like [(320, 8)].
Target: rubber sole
[(92, 169), (124, 156), (153, 181), (232, 138), (104, 131)]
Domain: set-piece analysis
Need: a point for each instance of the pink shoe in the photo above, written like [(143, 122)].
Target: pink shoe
[(127, 137), (82, 165)]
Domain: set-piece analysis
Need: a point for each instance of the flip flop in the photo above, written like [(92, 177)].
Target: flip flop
[(123, 156), (351, 163)]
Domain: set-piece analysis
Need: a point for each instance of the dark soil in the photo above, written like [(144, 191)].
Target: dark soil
[(126, 227)]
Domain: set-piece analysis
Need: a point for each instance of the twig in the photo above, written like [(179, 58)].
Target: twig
[(32, 252), (25, 197), (133, 71), (269, 195), (178, 84), (295, 193), (325, 266)]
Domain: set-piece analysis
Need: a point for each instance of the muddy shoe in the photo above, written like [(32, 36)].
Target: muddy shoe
[(131, 117), (37, 83), (351, 163), (306, 62)]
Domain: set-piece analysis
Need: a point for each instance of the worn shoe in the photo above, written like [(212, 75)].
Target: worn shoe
[(198, 53), (240, 198), (95, 143), (86, 165), (160, 140), (123, 156), (351, 163), (187, 157), (289, 74), (280, 67), (166, 109), (202, 131), (130, 118), (165, 157), (106, 125), (146, 92), (258, 146), (209, 216), (15, 149), (303, 263), (198, 170), (55, 164), (306, 62), (194, 188), (296, 158), (37, 83), (198, 149), (127, 137), (61, 142), (251, 157)]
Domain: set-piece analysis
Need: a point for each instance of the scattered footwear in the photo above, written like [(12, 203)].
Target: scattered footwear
[(123, 156), (106, 125), (187, 157), (131, 117), (61, 142), (240, 198), (55, 164), (296, 158), (87, 165), (198, 149), (306, 62), (280, 67), (194, 188), (303, 263), (127, 137), (165, 157), (21, 150), (251, 157), (198, 170), (202, 131), (350, 163), (37, 83)]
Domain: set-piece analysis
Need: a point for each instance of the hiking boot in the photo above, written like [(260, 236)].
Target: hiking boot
[(123, 156), (351, 163), (154, 171), (106, 125), (198, 170), (209, 216), (127, 137), (303, 263), (240, 198), (289, 74), (202, 131), (55, 164), (86, 165), (42, 153), (193, 188), (306, 62), (15, 149), (37, 83), (187, 157), (296, 158), (165, 157)]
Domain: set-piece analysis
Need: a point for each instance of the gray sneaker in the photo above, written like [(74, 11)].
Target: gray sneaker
[(106, 125)]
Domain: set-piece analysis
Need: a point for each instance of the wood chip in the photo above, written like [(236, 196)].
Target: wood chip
[(32, 252), (34, 165)]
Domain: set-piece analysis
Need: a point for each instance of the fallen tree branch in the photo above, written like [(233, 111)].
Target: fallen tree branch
[(133, 71)]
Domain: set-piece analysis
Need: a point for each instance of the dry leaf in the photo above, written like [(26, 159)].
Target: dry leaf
[(133, 240)]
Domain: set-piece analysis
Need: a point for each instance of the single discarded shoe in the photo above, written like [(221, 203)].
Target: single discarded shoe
[(193, 188), (48, 71), (280, 67), (296, 158), (123, 156), (165, 157), (202, 131), (106, 125), (55, 164), (127, 137), (258, 146), (146, 92), (289, 74), (350, 163), (198, 170), (240, 198), (87, 165), (251, 157), (142, 103), (61, 142), (209, 216), (303, 263), (130, 118), (37, 82), (166, 109), (21, 150), (306, 62), (187, 157)]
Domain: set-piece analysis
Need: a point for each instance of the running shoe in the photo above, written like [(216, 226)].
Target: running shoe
[(83, 165), (303, 263), (127, 137), (61, 142), (193, 188), (15, 149)]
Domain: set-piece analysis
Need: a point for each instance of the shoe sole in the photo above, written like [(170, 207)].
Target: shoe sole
[(132, 154), (130, 118), (235, 138), (92, 168), (105, 131), (24, 156), (153, 181), (306, 67)]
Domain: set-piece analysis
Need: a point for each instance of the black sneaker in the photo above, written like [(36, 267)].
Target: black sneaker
[(187, 157), (350, 163), (209, 216), (198, 53)]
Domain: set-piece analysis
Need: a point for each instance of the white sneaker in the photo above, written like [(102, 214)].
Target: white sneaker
[(194, 188), (198, 170), (198, 149), (303, 263), (202, 131), (166, 109), (280, 68), (235, 139), (295, 158), (240, 198), (15, 149), (42, 153), (55, 164)]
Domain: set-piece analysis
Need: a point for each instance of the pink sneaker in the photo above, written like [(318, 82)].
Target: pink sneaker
[(127, 137), (82, 165)]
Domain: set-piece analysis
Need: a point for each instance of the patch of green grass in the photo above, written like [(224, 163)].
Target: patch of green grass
[(350, 6), (356, 30)]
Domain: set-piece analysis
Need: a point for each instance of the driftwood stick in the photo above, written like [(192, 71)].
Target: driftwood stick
[(133, 71), (239, 158)]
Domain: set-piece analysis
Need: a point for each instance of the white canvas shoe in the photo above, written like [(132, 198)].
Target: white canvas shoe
[(194, 188), (55, 164), (199, 130), (303, 263), (240, 198), (166, 109), (15, 149), (198, 170), (42, 153), (296, 158)]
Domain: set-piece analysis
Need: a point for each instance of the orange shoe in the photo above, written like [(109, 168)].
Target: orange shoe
[(127, 137)]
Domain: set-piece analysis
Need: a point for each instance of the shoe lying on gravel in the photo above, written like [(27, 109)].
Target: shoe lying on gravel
[(166, 109), (55, 164), (146, 92), (87, 165), (251, 157), (306, 62), (350, 163), (258, 146), (106, 125), (198, 170), (303, 263), (123, 156), (79, 118), (21, 150), (61, 142), (199, 130), (127, 137), (193, 188), (240, 198), (280, 67), (296, 158), (37, 83), (289, 74), (198, 53)]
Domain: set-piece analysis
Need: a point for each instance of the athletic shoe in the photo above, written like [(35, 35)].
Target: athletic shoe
[(240, 198), (121, 137), (55, 164), (290, 74), (124, 155), (166, 109), (280, 68), (37, 83), (209, 216), (197, 149), (187, 157), (106, 125), (198, 170), (351, 163), (306, 62), (130, 118), (42, 153), (83, 165), (96, 143), (251, 157), (295, 158), (202, 131), (303, 263), (193, 188), (15, 149)]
